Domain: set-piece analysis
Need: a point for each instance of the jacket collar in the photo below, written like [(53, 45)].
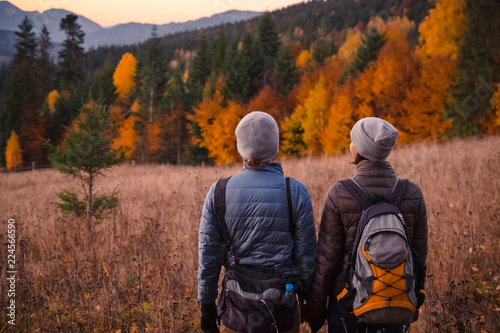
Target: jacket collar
[(271, 166), (370, 168)]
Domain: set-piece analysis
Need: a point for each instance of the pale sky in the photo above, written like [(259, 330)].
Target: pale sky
[(111, 12)]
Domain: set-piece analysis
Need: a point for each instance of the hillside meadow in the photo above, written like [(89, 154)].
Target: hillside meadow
[(144, 278)]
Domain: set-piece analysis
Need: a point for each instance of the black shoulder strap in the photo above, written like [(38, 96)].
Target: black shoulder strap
[(356, 193), (220, 212), (290, 207), (364, 201), (399, 192)]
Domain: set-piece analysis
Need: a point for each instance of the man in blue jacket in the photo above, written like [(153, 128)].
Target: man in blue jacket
[(257, 218)]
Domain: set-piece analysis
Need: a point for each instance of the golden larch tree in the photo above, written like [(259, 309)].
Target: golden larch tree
[(443, 29), (348, 49), (13, 152), (340, 121), (316, 108), (127, 136), (52, 99), (304, 60), (123, 78)]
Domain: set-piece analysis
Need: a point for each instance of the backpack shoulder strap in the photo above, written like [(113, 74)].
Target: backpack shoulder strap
[(290, 207), (220, 212), (356, 192), (399, 192)]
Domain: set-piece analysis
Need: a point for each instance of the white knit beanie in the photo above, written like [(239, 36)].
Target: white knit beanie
[(374, 138), (258, 137)]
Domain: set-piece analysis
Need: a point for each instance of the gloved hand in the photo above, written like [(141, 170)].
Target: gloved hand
[(209, 318)]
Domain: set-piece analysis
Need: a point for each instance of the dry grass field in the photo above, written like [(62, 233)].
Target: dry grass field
[(145, 275)]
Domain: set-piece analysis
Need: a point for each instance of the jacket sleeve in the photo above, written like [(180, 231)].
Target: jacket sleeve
[(304, 249), (209, 242), (419, 241), (330, 254)]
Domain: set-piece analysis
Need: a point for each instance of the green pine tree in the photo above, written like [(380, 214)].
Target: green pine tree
[(199, 71), (44, 66), (245, 69), (268, 45), (20, 96), (72, 56), (478, 69), (366, 53), (285, 70), (321, 50), (106, 89), (268, 35), (155, 76), (87, 154), (26, 43), (218, 53)]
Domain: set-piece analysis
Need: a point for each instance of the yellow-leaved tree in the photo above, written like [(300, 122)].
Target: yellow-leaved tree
[(123, 78), (305, 60), (348, 49), (52, 99), (13, 152), (315, 108), (340, 121), (495, 105), (127, 137), (443, 29)]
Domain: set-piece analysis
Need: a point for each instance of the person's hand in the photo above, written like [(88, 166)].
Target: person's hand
[(420, 297), (314, 319), (209, 318)]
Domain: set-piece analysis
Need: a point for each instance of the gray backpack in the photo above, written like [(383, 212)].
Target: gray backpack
[(378, 284)]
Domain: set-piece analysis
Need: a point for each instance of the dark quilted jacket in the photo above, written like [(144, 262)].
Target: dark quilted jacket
[(259, 228), (340, 220)]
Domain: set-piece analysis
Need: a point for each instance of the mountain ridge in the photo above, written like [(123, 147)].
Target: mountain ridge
[(97, 35)]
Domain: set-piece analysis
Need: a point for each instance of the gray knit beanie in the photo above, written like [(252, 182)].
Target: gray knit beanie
[(374, 138), (258, 137)]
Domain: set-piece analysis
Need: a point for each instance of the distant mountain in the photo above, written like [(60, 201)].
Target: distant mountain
[(11, 17), (95, 35), (131, 33)]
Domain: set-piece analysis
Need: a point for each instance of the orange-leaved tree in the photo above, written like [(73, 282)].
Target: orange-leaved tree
[(123, 78), (127, 137), (153, 130), (217, 123), (13, 152), (427, 99)]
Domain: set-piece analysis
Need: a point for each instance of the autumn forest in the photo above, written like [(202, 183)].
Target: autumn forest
[(431, 68)]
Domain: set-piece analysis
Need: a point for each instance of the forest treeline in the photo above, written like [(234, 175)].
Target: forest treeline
[(430, 68)]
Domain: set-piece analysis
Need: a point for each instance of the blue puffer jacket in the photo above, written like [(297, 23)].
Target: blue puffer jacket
[(258, 226)]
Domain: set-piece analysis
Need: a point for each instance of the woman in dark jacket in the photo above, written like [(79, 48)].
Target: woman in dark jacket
[(372, 141)]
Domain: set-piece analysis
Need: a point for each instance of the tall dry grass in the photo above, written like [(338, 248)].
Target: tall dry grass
[(145, 275)]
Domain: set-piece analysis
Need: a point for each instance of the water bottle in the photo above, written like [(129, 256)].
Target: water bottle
[(289, 296)]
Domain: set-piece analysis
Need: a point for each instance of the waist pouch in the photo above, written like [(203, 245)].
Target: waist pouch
[(251, 301)]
